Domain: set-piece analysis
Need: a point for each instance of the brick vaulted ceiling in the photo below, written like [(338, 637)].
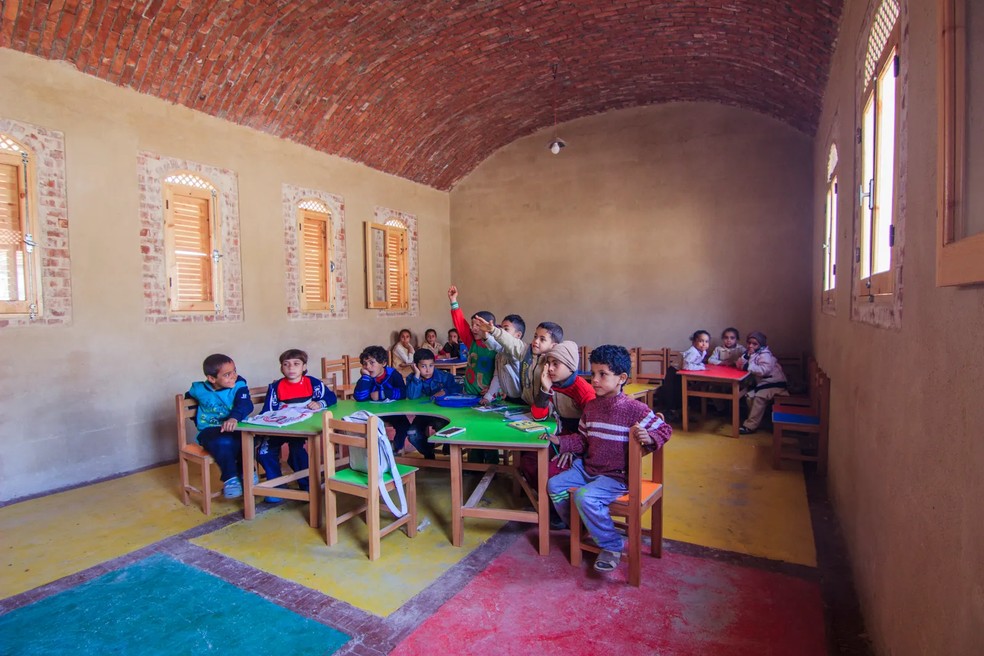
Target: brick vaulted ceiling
[(427, 89)]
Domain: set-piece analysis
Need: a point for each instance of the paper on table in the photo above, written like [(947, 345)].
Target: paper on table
[(283, 417)]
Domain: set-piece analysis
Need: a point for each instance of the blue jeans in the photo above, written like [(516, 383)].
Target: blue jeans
[(420, 440), (592, 498), (268, 455), (225, 448)]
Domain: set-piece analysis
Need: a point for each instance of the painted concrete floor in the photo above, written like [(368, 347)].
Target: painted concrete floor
[(738, 575)]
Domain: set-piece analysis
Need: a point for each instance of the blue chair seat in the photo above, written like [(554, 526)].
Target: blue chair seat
[(791, 418)]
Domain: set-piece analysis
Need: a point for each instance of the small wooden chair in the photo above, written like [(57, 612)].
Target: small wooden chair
[(361, 484), (191, 452), (352, 364), (584, 361), (650, 369), (642, 495), (334, 374), (805, 427)]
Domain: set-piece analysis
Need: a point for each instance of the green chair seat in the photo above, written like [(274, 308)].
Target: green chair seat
[(361, 478)]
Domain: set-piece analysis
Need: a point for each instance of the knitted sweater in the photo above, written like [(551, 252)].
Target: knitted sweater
[(603, 435), (282, 392), (390, 385)]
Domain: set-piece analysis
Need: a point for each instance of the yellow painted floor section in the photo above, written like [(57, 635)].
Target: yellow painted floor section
[(44, 539), (722, 492), (282, 543)]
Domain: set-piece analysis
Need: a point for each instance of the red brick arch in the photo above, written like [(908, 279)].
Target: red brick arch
[(428, 89)]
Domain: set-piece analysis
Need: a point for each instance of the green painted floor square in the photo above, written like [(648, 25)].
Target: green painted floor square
[(161, 606)]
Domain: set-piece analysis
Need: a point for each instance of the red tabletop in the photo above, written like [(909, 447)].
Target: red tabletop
[(718, 371)]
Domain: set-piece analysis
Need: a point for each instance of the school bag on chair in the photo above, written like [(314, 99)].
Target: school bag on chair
[(359, 461)]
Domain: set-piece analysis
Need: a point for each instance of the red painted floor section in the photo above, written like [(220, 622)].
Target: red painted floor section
[(527, 604)]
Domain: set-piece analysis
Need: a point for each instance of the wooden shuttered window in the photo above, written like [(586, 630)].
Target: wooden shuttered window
[(314, 232), (387, 267), (18, 262), (191, 238)]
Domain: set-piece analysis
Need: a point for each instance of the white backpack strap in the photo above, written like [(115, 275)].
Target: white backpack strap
[(388, 461)]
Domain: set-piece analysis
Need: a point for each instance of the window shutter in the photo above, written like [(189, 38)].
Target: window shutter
[(13, 255), (397, 274), (315, 257), (189, 228)]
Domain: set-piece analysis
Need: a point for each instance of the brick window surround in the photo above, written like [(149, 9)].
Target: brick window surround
[(292, 196), (151, 171), (382, 215), (50, 209)]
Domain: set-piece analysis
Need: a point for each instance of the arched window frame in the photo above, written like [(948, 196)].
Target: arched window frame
[(20, 266)]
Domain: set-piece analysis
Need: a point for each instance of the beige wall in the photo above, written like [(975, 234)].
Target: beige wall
[(907, 443), (95, 398), (652, 223)]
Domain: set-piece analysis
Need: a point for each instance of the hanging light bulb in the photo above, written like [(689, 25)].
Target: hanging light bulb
[(556, 143)]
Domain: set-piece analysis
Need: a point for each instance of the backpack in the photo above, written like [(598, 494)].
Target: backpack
[(359, 461)]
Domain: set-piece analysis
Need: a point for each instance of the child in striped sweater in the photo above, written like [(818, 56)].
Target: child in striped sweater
[(602, 452)]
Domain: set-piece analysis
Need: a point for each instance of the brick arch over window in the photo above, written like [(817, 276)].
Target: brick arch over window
[(428, 90)]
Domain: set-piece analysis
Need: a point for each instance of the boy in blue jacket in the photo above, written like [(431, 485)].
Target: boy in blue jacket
[(382, 383), (223, 400), (298, 389), (426, 381)]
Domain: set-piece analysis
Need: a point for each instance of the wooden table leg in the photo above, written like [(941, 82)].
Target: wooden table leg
[(683, 411), (457, 522), (314, 480), (735, 416), (249, 502), (543, 502)]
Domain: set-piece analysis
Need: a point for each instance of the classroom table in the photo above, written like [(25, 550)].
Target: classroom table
[(451, 365), (310, 430), (640, 391), (490, 431), (718, 375)]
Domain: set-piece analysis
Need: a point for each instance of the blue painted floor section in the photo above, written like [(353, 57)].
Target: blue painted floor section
[(161, 606)]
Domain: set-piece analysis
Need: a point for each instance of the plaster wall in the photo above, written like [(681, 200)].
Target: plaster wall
[(95, 397), (652, 223), (906, 452)]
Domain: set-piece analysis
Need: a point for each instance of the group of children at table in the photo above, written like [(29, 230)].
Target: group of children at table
[(595, 420), (767, 381)]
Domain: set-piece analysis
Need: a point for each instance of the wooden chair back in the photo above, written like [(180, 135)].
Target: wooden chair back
[(352, 364), (584, 361), (650, 366), (333, 372), (674, 358), (797, 424)]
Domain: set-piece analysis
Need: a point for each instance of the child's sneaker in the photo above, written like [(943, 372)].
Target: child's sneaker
[(233, 488), (607, 560), (274, 500)]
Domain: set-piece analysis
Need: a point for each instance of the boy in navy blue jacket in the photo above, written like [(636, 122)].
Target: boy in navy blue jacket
[(382, 383), (298, 389), (430, 382), (223, 400)]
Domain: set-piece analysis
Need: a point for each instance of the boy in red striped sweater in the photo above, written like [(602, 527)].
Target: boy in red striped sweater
[(601, 449)]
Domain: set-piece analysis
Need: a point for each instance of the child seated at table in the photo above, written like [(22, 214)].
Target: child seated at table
[(562, 393), (453, 349), (669, 397), (403, 352), (430, 382), (770, 381), (546, 335), (223, 401), (729, 351), (601, 451), (380, 382), (505, 381), (298, 389), (430, 342)]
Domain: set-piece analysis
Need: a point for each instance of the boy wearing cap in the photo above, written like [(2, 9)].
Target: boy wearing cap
[(770, 381), (561, 387)]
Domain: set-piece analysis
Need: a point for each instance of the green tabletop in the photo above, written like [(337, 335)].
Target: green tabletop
[(481, 428)]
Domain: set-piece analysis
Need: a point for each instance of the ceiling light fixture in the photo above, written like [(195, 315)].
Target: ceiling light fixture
[(556, 143)]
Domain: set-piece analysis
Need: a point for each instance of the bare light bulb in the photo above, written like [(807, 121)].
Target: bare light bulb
[(556, 145)]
